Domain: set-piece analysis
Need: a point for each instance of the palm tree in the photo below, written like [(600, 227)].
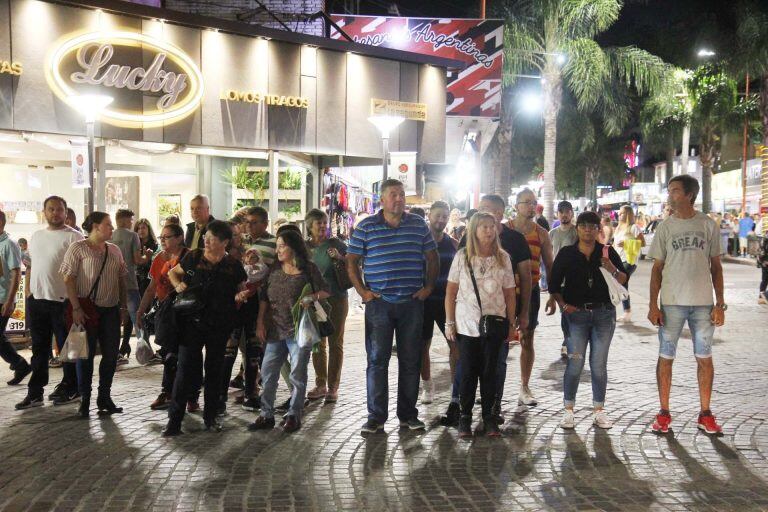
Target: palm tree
[(557, 38)]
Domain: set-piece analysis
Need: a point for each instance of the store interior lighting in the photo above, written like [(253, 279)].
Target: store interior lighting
[(232, 153), (25, 217)]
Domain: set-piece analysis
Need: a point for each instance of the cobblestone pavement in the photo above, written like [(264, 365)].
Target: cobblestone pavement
[(53, 461)]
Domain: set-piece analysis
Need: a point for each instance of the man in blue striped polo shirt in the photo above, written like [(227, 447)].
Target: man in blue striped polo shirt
[(392, 247)]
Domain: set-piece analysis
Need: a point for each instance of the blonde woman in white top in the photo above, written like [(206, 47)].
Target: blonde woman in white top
[(627, 230), (478, 356)]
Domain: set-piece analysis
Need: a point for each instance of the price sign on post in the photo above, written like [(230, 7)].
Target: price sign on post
[(80, 164), (17, 322)]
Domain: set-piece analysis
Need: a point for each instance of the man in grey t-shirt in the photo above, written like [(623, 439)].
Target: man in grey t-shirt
[(130, 245), (563, 235), (686, 252)]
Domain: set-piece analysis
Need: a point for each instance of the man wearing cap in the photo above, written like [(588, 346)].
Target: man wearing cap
[(563, 235)]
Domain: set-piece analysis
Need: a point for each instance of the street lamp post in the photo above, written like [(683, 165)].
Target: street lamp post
[(385, 124), (90, 106)]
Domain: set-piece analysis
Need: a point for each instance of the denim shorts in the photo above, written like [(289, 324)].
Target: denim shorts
[(699, 322)]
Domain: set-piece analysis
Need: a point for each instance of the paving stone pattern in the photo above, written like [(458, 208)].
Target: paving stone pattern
[(53, 461)]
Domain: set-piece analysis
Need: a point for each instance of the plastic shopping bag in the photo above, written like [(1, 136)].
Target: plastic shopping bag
[(308, 334), (75, 346), (144, 352)]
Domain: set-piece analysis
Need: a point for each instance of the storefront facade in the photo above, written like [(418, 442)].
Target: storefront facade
[(195, 101)]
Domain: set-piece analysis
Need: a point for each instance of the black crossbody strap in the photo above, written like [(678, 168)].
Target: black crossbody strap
[(95, 287), (474, 283)]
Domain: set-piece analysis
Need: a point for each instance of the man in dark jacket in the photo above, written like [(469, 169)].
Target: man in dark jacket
[(200, 209)]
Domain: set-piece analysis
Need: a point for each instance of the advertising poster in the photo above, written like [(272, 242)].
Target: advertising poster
[(17, 323), (474, 90), (122, 192), (80, 164), (402, 166)]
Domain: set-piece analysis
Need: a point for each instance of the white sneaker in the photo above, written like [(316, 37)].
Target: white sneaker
[(564, 352), (627, 316), (601, 419), (568, 422), (427, 392), (526, 397)]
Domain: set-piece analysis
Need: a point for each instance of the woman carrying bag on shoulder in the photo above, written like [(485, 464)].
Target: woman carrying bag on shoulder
[(94, 274), (328, 254), (209, 282), (479, 309)]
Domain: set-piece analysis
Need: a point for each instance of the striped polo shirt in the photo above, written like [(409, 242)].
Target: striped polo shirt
[(393, 258), (266, 245)]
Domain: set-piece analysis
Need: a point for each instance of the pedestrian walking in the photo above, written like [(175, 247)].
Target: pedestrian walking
[(628, 239), (214, 282), (393, 247), (582, 293), (148, 240), (434, 306), (746, 227), (134, 255), (160, 289), (562, 236), (540, 246), (329, 254), (46, 302), (95, 278), (294, 282), (686, 268), (10, 277), (480, 308)]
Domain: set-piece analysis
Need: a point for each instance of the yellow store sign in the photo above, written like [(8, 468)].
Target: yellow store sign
[(172, 76), (10, 68), (267, 99)]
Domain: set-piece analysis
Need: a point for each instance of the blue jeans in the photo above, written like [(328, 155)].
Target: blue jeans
[(629, 269), (382, 321), (275, 354), (699, 322), (501, 370), (594, 328), (564, 327)]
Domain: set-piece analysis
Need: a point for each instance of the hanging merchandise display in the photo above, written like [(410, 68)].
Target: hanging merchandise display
[(343, 202)]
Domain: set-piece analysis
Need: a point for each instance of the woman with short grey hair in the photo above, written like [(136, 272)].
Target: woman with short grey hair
[(328, 254)]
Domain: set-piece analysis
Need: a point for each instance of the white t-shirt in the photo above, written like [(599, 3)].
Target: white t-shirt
[(491, 278), (686, 247), (46, 251), (620, 236)]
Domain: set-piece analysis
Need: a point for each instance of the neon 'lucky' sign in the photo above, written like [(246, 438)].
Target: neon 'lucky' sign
[(179, 92)]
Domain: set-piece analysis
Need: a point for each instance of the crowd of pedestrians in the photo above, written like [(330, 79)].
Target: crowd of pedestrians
[(223, 288)]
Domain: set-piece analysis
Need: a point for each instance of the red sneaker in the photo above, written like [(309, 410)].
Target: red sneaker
[(661, 424), (709, 424)]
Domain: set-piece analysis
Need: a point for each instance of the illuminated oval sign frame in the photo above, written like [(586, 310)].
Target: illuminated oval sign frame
[(190, 102)]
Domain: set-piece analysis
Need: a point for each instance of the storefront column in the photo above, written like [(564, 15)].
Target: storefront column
[(274, 184), (100, 170)]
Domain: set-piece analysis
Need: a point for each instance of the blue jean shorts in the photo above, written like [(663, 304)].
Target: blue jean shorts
[(699, 322)]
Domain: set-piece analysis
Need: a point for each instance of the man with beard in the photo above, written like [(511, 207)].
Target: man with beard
[(563, 235), (541, 249), (45, 305), (434, 306)]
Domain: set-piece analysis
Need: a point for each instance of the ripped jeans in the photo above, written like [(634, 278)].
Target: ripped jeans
[(594, 328)]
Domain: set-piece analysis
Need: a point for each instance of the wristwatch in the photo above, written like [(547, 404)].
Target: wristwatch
[(722, 306)]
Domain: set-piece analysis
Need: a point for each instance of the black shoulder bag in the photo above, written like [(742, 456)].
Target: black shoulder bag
[(192, 300), (491, 326)]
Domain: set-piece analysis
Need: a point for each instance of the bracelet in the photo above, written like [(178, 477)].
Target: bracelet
[(615, 273), (448, 322)]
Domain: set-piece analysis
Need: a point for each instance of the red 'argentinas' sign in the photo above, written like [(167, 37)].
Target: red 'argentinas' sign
[(474, 90)]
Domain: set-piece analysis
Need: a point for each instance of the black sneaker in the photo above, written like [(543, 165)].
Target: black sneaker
[(237, 382), (59, 390), (413, 424), (496, 413), (66, 397), (465, 427), (19, 374), (29, 402), (284, 406), (371, 427), (451, 418), (252, 404), (155, 360), (262, 423), (122, 360)]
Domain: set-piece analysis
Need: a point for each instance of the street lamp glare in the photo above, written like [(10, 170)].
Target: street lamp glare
[(386, 124), (90, 105), (561, 58), (705, 52), (531, 102)]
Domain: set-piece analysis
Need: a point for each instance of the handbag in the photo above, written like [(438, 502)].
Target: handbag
[(342, 276), (88, 304), (190, 301), (491, 326), (324, 327)]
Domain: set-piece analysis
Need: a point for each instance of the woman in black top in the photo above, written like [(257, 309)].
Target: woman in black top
[(581, 291), (149, 247), (220, 279)]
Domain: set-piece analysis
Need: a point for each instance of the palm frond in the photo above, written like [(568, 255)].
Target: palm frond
[(522, 50), (638, 68), (586, 72), (752, 40), (587, 18)]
